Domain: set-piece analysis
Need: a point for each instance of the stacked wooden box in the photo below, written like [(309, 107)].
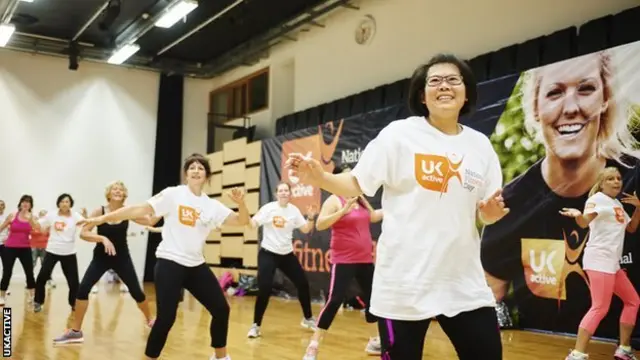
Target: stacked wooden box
[(237, 165)]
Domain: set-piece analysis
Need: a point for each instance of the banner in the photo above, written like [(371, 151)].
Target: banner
[(554, 128), (562, 125)]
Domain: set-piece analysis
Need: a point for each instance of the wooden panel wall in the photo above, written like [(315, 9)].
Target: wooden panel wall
[(237, 165)]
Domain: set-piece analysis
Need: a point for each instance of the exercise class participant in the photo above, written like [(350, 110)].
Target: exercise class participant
[(61, 247), (607, 221), (38, 240), (17, 246), (438, 177), (111, 252), (189, 216), (279, 218), (158, 230), (351, 257)]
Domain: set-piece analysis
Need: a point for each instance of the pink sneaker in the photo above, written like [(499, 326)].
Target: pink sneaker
[(622, 354)]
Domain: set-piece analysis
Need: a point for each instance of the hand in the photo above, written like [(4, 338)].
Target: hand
[(349, 205), (307, 169), (42, 213), (631, 199), (84, 212), (570, 212), (92, 221), (236, 195), (311, 212), (109, 249), (492, 209)]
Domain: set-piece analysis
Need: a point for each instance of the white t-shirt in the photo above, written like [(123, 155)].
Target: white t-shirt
[(606, 234), (428, 254), (188, 220), (62, 232), (278, 224), (4, 233)]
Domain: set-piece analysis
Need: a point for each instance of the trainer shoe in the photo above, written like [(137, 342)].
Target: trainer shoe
[(254, 332), (374, 346), (623, 354), (312, 351), (69, 337), (309, 324)]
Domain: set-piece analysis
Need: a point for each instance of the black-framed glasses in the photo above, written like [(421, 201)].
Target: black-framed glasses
[(436, 80)]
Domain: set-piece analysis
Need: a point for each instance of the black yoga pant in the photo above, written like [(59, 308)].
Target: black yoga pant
[(170, 279), (9, 259), (474, 334), (69, 265), (120, 263), (268, 262), (341, 277)]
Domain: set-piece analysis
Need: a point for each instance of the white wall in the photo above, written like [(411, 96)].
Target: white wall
[(64, 131), (194, 116), (326, 64)]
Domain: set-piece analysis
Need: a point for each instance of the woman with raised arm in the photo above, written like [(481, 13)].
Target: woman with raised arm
[(278, 220), (607, 221), (111, 252), (189, 216), (351, 258), (18, 246), (61, 246), (438, 178)]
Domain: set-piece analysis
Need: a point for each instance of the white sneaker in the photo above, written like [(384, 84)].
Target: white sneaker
[(309, 324), (312, 351), (254, 332), (374, 346), (94, 289), (213, 357)]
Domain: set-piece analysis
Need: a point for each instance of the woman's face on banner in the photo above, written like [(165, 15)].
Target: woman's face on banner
[(570, 101)]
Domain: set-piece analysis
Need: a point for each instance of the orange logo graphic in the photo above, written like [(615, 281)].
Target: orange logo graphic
[(548, 262), (315, 146), (433, 172), (620, 215), (279, 222), (187, 215), (59, 225)]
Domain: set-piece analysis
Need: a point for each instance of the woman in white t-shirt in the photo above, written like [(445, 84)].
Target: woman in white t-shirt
[(607, 221), (438, 177), (278, 220), (189, 216), (63, 227)]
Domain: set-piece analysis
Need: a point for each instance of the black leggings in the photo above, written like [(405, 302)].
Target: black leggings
[(268, 262), (120, 263), (341, 276), (69, 265), (9, 256), (474, 334), (170, 278)]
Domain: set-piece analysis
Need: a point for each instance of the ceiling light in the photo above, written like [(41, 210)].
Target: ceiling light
[(27, 0), (177, 12), (6, 30), (122, 54)]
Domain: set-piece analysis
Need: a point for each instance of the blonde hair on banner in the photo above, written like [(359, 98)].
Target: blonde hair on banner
[(615, 136), (604, 175), (107, 190)]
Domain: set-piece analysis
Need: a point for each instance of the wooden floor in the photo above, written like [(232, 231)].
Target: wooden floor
[(114, 329)]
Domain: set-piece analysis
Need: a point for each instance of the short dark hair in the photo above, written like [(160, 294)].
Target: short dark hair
[(27, 198), (199, 158), (62, 197), (419, 80)]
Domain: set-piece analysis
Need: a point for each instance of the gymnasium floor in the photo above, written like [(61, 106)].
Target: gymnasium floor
[(114, 329)]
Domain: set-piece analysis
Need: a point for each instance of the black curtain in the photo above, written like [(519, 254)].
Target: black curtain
[(168, 155)]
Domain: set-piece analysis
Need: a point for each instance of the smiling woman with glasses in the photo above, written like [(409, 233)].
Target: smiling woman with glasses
[(438, 177)]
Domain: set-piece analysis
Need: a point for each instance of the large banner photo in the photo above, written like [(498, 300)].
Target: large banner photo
[(562, 125), (555, 128)]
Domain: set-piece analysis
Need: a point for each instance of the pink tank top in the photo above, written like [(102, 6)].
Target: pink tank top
[(19, 232), (351, 237)]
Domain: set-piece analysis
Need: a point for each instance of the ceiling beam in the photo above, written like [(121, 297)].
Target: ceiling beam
[(90, 21), (261, 44)]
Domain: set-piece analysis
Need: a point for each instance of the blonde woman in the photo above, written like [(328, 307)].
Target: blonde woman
[(570, 108), (111, 252), (607, 221)]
